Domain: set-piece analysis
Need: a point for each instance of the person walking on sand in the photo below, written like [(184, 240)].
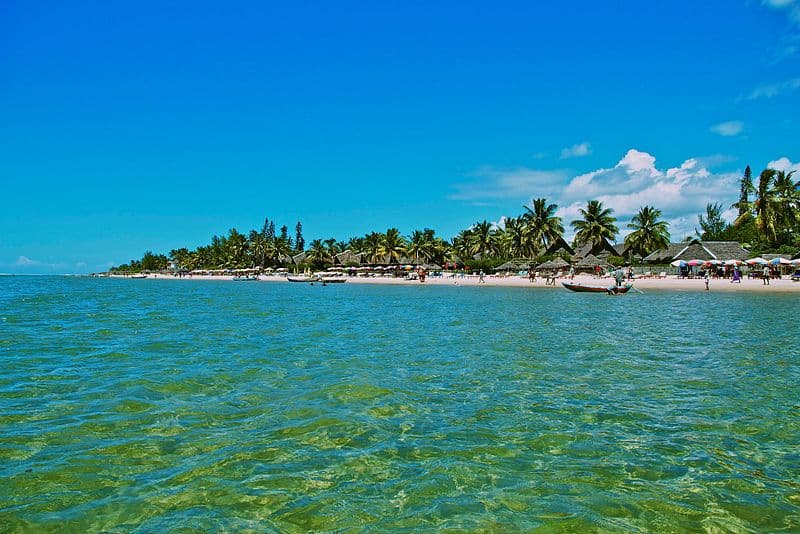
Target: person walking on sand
[(765, 275), (481, 279), (737, 276), (572, 272), (707, 278)]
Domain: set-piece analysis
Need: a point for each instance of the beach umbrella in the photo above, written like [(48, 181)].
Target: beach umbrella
[(779, 261), (678, 263), (694, 263), (756, 261), (733, 262), (795, 262)]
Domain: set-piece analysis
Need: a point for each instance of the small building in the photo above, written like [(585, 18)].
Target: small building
[(603, 249), (348, 258), (698, 250), (560, 247)]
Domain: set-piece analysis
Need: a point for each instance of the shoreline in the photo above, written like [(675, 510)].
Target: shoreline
[(671, 283)]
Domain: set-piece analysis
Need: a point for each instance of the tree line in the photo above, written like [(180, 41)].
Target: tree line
[(768, 221)]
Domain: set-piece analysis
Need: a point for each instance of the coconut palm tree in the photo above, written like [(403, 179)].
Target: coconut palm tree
[(787, 204), (393, 245), (318, 253), (482, 237), (597, 224), (421, 244), (649, 233), (463, 244), (765, 205), (544, 225), (372, 246)]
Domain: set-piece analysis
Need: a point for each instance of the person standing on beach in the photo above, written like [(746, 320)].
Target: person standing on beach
[(765, 274), (481, 279), (707, 278), (619, 276)]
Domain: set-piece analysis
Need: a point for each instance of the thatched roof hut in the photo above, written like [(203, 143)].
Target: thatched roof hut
[(513, 265), (557, 263), (590, 263), (700, 250), (347, 257), (300, 258), (603, 248)]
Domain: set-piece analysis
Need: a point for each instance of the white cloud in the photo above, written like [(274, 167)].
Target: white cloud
[(774, 89), (576, 151), (728, 129), (490, 183), (680, 192), (24, 261), (791, 7), (784, 164)]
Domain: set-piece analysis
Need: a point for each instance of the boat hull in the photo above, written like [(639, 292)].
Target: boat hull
[(611, 290), (301, 279)]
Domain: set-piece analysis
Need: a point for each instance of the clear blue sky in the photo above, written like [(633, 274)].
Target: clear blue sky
[(134, 126)]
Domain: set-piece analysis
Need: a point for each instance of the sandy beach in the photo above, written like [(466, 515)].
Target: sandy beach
[(670, 283)]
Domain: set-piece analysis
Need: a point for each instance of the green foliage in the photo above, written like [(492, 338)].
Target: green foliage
[(616, 261), (712, 223), (649, 233), (768, 221), (597, 223), (486, 265)]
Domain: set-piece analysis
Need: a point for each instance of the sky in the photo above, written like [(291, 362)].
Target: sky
[(127, 127)]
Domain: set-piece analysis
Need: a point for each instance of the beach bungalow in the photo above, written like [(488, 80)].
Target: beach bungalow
[(698, 250), (559, 247), (348, 258), (603, 249), (297, 259)]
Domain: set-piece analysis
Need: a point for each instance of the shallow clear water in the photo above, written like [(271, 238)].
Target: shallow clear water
[(147, 405)]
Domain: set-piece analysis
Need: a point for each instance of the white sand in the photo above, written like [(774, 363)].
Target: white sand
[(671, 282)]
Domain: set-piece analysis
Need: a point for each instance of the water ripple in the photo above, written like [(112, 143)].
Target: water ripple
[(128, 406)]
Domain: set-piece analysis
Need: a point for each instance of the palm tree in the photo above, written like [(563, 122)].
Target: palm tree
[(649, 233), (482, 237), (372, 246), (463, 244), (597, 224), (519, 240), (765, 205), (421, 244), (393, 245), (282, 248), (787, 203), (544, 225), (318, 253)]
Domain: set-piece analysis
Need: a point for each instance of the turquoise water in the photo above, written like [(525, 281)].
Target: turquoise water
[(146, 405)]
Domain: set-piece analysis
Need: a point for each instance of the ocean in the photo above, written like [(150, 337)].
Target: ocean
[(148, 405)]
